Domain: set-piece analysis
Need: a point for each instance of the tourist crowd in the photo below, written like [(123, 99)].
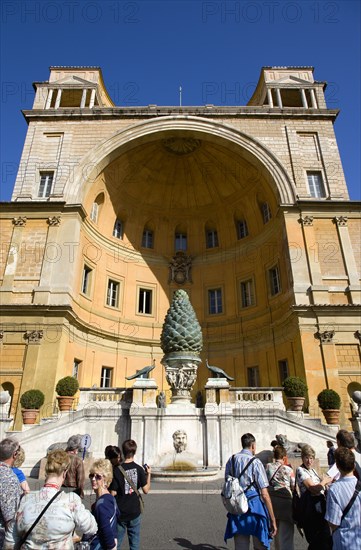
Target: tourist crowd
[(55, 517)]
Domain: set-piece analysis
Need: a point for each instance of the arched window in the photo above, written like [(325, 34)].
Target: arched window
[(95, 209), (118, 229), (94, 212)]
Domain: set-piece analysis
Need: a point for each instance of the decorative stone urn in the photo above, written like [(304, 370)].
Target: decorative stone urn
[(181, 341)]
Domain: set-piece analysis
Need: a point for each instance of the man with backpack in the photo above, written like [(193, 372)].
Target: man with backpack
[(128, 478), (259, 521)]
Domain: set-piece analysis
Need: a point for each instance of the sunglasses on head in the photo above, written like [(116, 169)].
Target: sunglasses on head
[(98, 477)]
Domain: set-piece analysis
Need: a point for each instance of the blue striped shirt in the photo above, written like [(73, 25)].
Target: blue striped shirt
[(348, 535), (254, 473)]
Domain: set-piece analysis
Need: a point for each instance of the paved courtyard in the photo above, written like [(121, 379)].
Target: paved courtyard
[(182, 516)]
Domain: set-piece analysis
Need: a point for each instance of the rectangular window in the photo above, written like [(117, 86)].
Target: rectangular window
[(283, 369), (247, 293), (266, 212), (106, 377), (113, 293), (253, 377), (212, 239), (46, 183), (180, 242), (118, 229), (315, 184), (147, 239), (85, 283), (76, 366), (242, 229), (145, 301), (274, 280), (215, 301)]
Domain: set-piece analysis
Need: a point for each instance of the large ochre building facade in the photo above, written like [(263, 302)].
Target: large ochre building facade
[(245, 207)]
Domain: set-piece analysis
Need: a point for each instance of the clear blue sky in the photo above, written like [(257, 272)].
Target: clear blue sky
[(147, 48)]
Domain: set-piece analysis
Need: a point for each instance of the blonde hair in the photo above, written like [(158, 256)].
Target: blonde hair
[(103, 466), (307, 452), (57, 462), (20, 457)]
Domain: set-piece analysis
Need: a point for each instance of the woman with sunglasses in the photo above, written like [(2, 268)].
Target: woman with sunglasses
[(105, 509)]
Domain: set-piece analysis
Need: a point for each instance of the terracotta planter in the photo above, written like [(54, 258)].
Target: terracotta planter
[(332, 416), (65, 402), (29, 415), (295, 403)]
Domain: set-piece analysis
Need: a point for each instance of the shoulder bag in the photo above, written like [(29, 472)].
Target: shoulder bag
[(233, 495), (24, 537), (130, 481)]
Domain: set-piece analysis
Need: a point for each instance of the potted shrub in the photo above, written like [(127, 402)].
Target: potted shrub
[(295, 389), (330, 403), (66, 388), (31, 401)]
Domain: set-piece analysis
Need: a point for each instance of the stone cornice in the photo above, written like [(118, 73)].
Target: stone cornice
[(324, 208), (151, 111), (39, 209)]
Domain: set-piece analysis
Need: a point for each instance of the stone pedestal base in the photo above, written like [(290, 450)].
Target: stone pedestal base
[(145, 392), (214, 386)]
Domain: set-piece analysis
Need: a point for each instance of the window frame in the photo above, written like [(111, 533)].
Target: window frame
[(76, 367), (266, 212), (47, 187), (281, 364), (245, 303), (118, 229), (94, 212), (180, 238), (271, 280), (242, 234), (316, 190), (253, 372), (148, 234), (215, 299), (212, 238), (110, 298), (104, 378), (87, 275), (141, 302)]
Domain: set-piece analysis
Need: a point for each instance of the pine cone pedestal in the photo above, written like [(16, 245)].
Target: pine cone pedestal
[(181, 373)]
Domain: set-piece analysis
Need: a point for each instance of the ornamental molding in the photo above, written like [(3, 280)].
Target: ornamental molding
[(180, 269), (181, 146), (341, 221), (326, 337), (307, 220), (34, 336), (54, 221), (20, 221)]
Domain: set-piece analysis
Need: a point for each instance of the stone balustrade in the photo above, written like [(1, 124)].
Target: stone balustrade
[(257, 396), (103, 395)]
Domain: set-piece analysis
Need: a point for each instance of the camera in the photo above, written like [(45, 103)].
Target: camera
[(145, 466)]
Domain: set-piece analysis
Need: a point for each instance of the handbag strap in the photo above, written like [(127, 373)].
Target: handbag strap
[(274, 474), (130, 481), (352, 500), (23, 539)]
